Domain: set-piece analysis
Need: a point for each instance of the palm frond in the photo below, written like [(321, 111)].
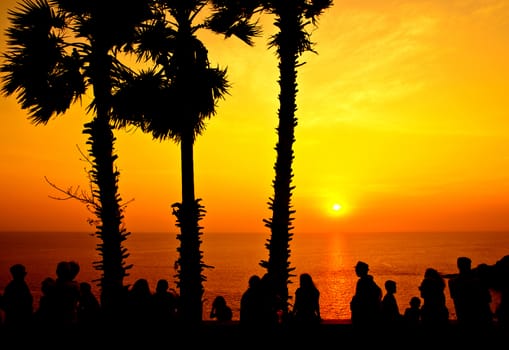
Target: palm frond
[(114, 21), (45, 78), (155, 41), (233, 21), (140, 100), (315, 8)]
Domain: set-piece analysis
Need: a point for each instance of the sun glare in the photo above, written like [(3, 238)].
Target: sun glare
[(336, 209)]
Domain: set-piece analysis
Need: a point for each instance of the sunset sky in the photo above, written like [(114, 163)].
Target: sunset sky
[(403, 121)]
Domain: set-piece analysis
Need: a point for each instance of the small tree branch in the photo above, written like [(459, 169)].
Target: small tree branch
[(84, 196), (73, 193)]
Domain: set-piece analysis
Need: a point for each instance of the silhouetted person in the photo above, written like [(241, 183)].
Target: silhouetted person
[(390, 309), (502, 285), (471, 298), (67, 293), (434, 312), (251, 305), (74, 269), (365, 305), (45, 314), (220, 310), (139, 305), (271, 307), (89, 308), (18, 300), (164, 304), (412, 314), (306, 308)]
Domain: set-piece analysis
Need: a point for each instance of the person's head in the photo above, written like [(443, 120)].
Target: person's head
[(85, 287), (74, 269), (464, 264), (361, 268), (47, 285), (390, 286), (63, 270), (162, 285), (306, 280), (432, 273), (254, 281), (141, 287), (415, 302), (18, 271), (219, 302)]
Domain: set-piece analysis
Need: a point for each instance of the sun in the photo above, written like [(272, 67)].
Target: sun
[(336, 209), (334, 206)]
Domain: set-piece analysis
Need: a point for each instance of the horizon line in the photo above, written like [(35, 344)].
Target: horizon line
[(268, 232)]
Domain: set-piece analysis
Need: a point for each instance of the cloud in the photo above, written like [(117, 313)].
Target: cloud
[(370, 58), (492, 9)]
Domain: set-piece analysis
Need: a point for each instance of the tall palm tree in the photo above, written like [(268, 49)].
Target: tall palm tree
[(173, 100), (49, 71), (290, 41)]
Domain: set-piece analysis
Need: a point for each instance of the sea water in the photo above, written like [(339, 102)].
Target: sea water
[(234, 257)]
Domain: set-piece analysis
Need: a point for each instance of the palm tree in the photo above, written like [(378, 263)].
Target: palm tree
[(291, 41), (48, 72), (173, 100)]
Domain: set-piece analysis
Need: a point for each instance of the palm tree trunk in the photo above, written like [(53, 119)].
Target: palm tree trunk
[(104, 175), (191, 288), (281, 223)]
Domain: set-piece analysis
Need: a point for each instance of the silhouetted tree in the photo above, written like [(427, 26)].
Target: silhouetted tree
[(172, 100), (290, 41), (57, 50)]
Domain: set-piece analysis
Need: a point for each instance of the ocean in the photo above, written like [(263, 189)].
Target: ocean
[(329, 258)]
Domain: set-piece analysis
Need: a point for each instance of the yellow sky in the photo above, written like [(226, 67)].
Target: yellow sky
[(403, 120)]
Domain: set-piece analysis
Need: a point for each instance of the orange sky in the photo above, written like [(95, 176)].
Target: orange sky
[(403, 120)]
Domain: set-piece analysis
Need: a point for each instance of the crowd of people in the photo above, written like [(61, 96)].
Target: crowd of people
[(65, 302), (469, 289)]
